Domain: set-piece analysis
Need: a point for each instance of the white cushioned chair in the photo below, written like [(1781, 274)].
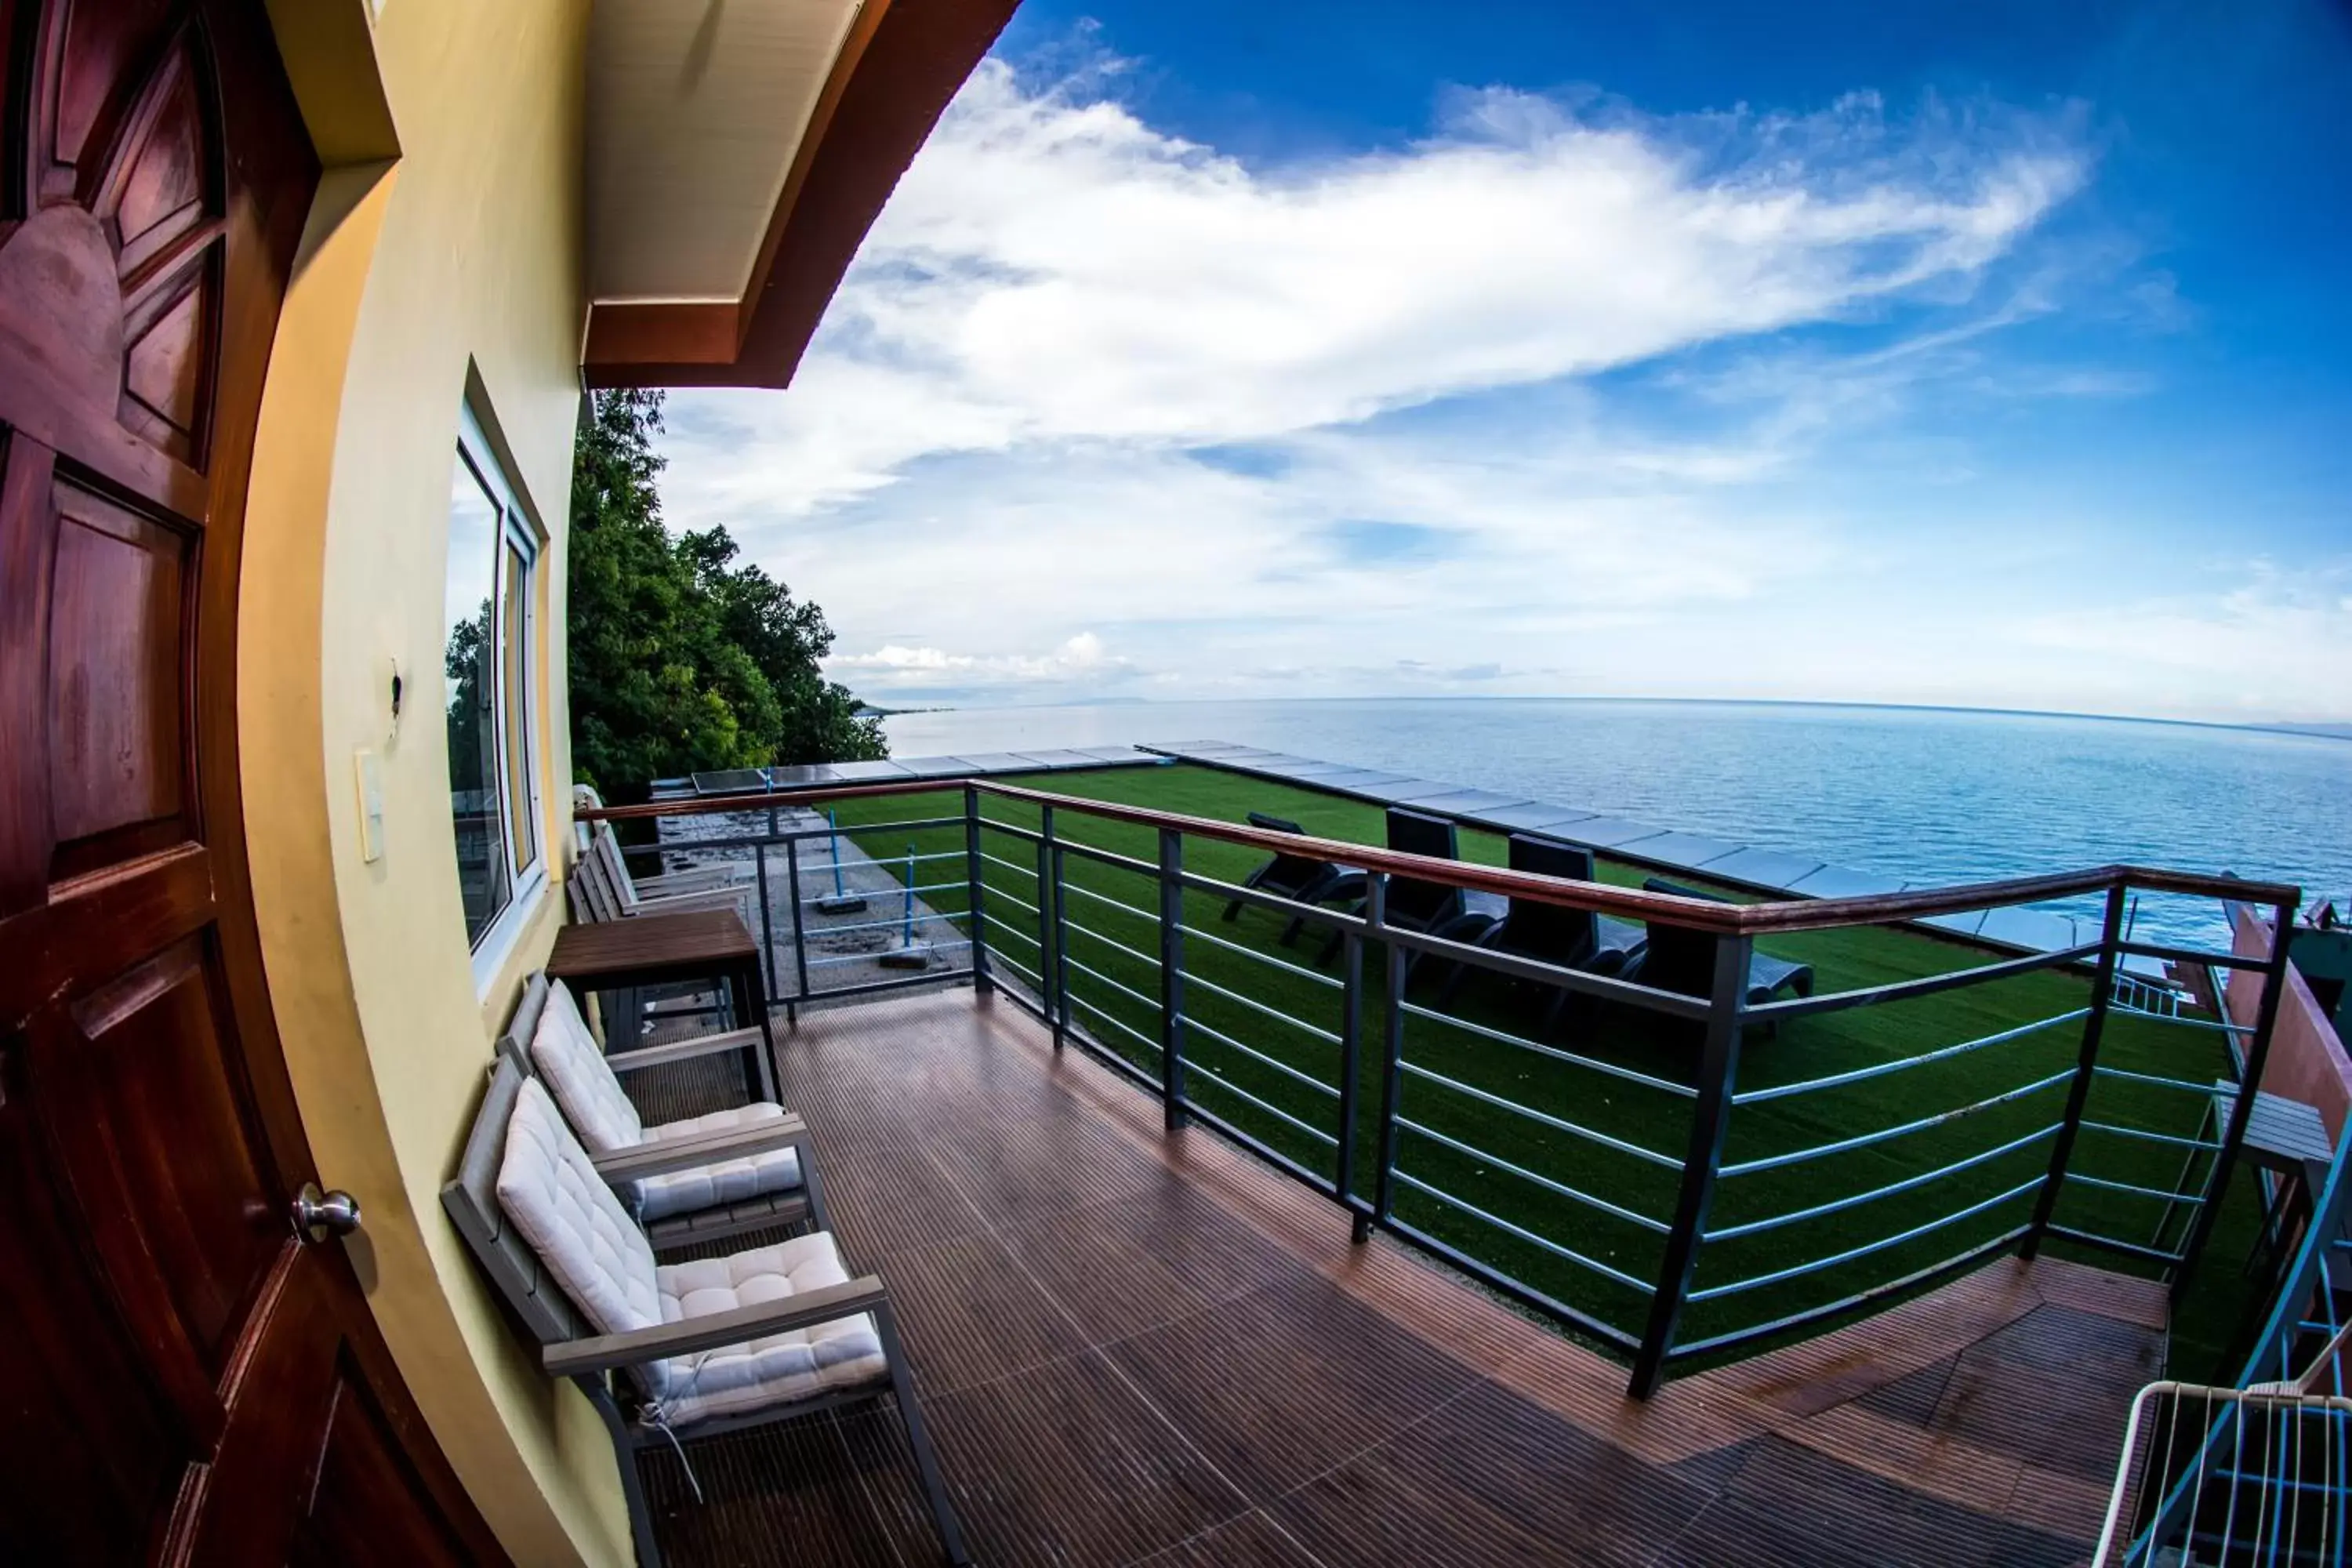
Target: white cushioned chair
[(745, 1168), (668, 1353)]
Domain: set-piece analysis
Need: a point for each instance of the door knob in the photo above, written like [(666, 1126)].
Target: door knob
[(318, 1216)]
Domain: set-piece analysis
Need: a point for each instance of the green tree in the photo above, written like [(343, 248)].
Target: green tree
[(682, 659)]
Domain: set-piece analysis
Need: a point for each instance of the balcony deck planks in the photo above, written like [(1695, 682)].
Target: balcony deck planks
[(1136, 1347)]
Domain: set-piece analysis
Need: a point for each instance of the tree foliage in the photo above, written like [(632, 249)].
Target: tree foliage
[(681, 658)]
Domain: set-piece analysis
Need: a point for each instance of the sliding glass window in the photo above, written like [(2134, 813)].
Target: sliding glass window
[(486, 654)]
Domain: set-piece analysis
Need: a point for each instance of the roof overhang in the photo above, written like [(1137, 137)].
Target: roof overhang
[(737, 152)]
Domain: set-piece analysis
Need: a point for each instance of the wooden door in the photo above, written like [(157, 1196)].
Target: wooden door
[(182, 1378)]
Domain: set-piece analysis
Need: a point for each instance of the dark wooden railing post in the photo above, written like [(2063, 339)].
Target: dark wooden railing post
[(2258, 1055), (973, 887), (2078, 1094), (1710, 1118), (1049, 935), (1351, 1036), (1393, 958), (800, 917), (1172, 977)]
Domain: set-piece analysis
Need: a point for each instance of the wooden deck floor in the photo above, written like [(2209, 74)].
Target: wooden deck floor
[(1136, 1347)]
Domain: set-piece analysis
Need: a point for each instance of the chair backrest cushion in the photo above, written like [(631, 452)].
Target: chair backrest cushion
[(573, 1064), (551, 1193), (1680, 959), (471, 1200), (1551, 930), (1413, 903)]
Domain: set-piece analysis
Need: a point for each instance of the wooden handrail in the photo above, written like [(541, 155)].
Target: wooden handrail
[(1633, 904)]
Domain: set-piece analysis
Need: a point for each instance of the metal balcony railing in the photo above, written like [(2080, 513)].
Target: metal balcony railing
[(1673, 1178)]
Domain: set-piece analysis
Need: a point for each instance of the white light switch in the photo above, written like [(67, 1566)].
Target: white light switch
[(370, 776)]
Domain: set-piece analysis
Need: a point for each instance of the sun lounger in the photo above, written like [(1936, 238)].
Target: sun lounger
[(1554, 933), (1298, 878)]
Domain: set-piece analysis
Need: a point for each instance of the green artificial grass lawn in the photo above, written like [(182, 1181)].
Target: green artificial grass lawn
[(1114, 980)]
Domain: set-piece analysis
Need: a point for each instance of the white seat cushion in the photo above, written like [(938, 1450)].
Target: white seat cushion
[(779, 1369), (549, 1190), (599, 1109), (573, 1064), (729, 1181)]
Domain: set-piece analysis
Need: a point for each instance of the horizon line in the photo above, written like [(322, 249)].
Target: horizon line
[(2324, 730)]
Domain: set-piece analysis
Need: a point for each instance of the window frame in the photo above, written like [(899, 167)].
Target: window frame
[(514, 627)]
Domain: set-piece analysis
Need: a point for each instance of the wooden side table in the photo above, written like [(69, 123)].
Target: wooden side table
[(656, 950)]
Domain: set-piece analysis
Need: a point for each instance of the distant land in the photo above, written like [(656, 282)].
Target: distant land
[(2341, 730)]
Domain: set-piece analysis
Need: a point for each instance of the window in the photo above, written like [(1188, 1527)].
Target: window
[(486, 628)]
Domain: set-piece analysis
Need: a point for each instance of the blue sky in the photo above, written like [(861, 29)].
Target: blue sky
[(1980, 354)]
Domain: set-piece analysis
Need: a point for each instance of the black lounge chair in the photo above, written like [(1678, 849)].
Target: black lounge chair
[(1432, 909), (1682, 959), (1553, 933), (1298, 878)]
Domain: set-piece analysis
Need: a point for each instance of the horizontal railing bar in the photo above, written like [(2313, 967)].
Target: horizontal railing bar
[(895, 887), (1562, 1188), (2176, 1142), (1880, 1070), (1147, 915), (1110, 858), (1023, 970), (1863, 1141), (1554, 1248), (869, 987), (1151, 1002), (2158, 1194), (1134, 952), (2191, 956), (1905, 990), (1192, 1067), (1301, 971), (2122, 1248), (785, 836), (2103, 1070), (1509, 1285), (1837, 1206), (1015, 866), (2176, 1019), (1816, 1314), (997, 923), (880, 863), (1674, 1004), (1323, 915), (1224, 1128), (1317, 1084), (893, 923), (1853, 1254), (1603, 1139), (836, 959), (1700, 914), (1553, 1052), (1194, 979), (1115, 1021), (1110, 1058), (993, 893)]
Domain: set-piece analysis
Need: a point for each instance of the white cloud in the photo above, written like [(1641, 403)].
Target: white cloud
[(1050, 268), (1547, 402), (896, 666)]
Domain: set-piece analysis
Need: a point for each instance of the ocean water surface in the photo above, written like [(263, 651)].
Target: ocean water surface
[(1928, 795)]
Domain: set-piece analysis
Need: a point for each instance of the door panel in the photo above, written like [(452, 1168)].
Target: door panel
[(188, 1380)]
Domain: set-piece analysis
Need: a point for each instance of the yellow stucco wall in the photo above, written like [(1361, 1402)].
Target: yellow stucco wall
[(457, 262)]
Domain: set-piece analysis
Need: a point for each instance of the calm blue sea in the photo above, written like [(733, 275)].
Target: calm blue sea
[(1930, 795)]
